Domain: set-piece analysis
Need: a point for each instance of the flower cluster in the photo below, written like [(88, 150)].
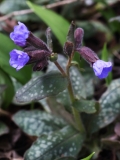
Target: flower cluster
[(100, 67), (34, 49)]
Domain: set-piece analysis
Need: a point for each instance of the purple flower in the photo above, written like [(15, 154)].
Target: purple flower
[(18, 59), (20, 34), (102, 68)]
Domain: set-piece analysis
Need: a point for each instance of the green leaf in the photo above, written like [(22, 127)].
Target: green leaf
[(89, 86), (6, 45), (87, 106), (2, 88), (65, 142), (9, 92), (3, 128), (77, 82), (17, 86), (89, 157), (105, 54), (45, 105), (90, 80), (44, 86), (56, 22), (110, 107), (105, 57), (36, 122)]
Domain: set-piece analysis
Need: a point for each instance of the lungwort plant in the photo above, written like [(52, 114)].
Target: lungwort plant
[(59, 137)]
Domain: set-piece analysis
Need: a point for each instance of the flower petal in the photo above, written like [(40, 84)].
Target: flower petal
[(18, 59), (102, 68), (20, 34)]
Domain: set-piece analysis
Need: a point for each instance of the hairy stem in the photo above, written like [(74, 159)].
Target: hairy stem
[(76, 114), (60, 68)]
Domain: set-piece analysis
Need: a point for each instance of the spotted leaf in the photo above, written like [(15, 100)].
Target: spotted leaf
[(65, 142), (37, 122), (110, 107), (76, 79), (85, 105), (40, 87)]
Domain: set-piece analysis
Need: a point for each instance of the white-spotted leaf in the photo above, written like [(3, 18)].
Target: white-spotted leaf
[(87, 106), (63, 143), (110, 107), (76, 79), (40, 87), (36, 122)]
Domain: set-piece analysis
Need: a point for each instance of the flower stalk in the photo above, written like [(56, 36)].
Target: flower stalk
[(60, 68), (76, 114)]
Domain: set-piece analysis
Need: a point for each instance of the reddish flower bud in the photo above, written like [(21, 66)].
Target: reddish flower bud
[(28, 48), (68, 48), (37, 55), (40, 65), (89, 55), (36, 42), (78, 36)]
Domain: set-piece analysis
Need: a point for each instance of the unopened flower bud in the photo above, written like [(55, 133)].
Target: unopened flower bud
[(40, 65), (68, 48), (87, 54), (78, 36), (37, 55), (36, 42)]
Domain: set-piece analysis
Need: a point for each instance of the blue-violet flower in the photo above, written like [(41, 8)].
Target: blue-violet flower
[(18, 59), (102, 68), (20, 34)]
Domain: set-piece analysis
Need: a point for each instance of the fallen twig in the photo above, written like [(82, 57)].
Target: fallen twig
[(28, 11)]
